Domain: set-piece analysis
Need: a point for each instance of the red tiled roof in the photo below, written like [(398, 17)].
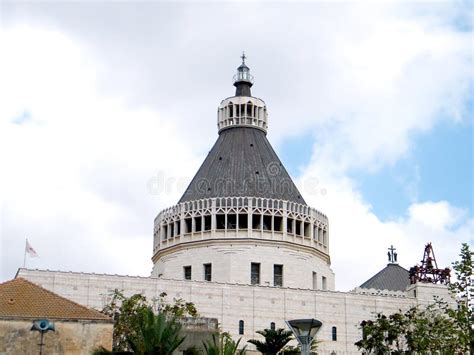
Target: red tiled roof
[(20, 298)]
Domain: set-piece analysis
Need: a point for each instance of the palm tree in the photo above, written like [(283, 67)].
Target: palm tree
[(223, 345), (275, 340), (155, 334)]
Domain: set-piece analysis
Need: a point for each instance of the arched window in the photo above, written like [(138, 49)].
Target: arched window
[(249, 109), (272, 325), (334, 334), (241, 327)]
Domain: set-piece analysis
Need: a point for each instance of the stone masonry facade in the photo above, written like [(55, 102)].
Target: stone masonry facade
[(256, 306)]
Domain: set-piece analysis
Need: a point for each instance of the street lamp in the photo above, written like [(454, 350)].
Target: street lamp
[(43, 326), (304, 331)]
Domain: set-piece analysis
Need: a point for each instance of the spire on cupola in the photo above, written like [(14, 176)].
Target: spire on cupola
[(242, 110), (243, 80)]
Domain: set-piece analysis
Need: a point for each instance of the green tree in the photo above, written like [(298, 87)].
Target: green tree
[(275, 340), (156, 334), (463, 289), (437, 328), (223, 344), (296, 350), (128, 312)]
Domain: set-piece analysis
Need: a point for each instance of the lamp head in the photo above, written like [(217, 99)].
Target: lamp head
[(42, 325), (304, 329)]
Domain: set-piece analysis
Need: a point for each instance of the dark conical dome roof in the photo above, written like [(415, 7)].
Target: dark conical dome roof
[(242, 163), (393, 278)]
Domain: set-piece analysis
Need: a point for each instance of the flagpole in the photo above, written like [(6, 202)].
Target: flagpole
[(24, 256)]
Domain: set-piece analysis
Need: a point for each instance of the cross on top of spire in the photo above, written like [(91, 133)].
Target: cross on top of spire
[(243, 57), (243, 80), (392, 255)]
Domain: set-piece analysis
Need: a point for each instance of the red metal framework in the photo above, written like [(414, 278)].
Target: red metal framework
[(428, 272)]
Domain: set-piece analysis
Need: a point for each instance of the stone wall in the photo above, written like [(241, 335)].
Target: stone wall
[(70, 337), (197, 330), (231, 260), (257, 306)]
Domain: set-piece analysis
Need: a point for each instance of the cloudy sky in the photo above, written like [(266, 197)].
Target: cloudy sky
[(107, 109)]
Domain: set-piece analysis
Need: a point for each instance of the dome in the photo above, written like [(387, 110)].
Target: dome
[(242, 163)]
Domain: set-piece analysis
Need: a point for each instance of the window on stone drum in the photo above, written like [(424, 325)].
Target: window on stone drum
[(256, 221), (207, 272), (243, 221), (207, 223), (289, 225), (255, 273), (198, 224), (178, 228), (334, 334), (188, 224), (277, 223), (165, 232), (220, 221), (324, 283), (307, 228), (315, 280), (231, 221), (187, 272), (241, 327), (277, 275), (298, 227), (267, 222), (272, 325)]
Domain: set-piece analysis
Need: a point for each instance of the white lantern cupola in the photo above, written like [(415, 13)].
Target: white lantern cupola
[(242, 110), (243, 80)]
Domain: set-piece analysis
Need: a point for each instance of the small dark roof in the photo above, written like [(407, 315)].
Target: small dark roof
[(242, 163), (393, 278)]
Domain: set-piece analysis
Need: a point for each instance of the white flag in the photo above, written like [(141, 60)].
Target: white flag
[(29, 249)]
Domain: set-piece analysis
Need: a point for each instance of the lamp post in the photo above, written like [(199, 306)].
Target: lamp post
[(304, 331), (43, 326)]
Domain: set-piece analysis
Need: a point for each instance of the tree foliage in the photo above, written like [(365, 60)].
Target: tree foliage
[(132, 317), (437, 328), (463, 289), (275, 340), (156, 334), (296, 350), (223, 344)]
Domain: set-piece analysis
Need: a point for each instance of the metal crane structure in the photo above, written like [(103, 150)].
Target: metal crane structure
[(429, 272)]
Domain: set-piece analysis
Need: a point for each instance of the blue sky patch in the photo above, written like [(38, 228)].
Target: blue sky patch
[(22, 118), (438, 168), (295, 152)]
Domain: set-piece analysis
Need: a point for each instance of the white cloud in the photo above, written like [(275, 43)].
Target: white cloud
[(75, 174), (436, 216), (127, 103), (359, 239)]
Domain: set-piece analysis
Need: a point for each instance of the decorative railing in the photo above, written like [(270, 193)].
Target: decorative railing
[(238, 217), (242, 111)]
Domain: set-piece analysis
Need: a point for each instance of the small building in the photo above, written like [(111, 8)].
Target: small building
[(78, 329), (393, 277)]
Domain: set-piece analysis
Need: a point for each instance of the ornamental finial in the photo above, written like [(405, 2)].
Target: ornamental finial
[(243, 80), (392, 255)]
